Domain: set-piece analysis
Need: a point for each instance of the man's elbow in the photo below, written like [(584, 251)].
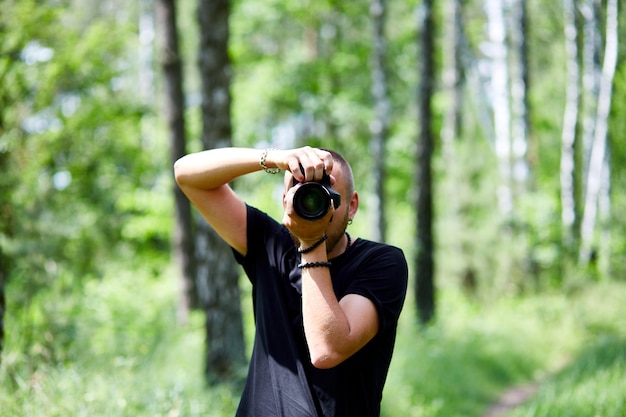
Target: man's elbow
[(179, 172), (326, 359)]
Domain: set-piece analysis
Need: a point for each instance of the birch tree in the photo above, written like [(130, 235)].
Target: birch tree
[(217, 281), (453, 76), (380, 125), (2, 303), (425, 264), (599, 144), (591, 75), (570, 123), (174, 109), (500, 101), (519, 80), (604, 217)]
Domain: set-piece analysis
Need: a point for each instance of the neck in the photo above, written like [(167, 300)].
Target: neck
[(340, 247)]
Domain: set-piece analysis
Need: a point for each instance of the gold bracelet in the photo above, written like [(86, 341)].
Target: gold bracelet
[(265, 167)]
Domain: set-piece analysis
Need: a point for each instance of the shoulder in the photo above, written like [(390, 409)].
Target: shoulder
[(376, 251), (264, 232), (379, 264), (261, 223)]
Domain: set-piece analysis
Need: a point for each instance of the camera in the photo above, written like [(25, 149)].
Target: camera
[(312, 199)]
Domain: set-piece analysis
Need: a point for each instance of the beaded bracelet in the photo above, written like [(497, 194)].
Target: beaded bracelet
[(313, 246), (265, 167), (314, 265)]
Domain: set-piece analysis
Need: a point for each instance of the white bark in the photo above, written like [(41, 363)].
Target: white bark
[(604, 213), (519, 91), (570, 119), (146, 55), (500, 101), (598, 150), (380, 125), (452, 77), (592, 74)]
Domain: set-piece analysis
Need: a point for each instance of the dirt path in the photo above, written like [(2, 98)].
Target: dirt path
[(512, 398), (519, 394)]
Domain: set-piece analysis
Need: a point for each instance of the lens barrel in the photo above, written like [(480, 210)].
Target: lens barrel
[(312, 201)]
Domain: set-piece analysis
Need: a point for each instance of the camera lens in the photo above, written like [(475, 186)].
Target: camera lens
[(311, 201)]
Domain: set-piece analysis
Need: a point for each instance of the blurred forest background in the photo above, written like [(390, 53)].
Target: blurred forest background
[(487, 142)]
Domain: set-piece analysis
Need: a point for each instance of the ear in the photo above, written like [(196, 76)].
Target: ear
[(354, 205)]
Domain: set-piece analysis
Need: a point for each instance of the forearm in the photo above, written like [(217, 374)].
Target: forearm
[(326, 326), (213, 168)]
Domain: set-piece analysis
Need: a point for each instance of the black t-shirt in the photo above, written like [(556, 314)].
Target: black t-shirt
[(281, 380)]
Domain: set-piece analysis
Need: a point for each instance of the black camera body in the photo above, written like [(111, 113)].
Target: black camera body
[(312, 199)]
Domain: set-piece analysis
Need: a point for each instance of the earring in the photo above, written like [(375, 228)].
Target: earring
[(349, 222)]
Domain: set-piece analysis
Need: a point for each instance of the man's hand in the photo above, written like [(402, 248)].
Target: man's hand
[(305, 164), (307, 231)]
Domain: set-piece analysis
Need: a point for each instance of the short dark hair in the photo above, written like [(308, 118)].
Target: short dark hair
[(345, 168)]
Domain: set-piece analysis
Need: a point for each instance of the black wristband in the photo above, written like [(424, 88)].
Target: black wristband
[(313, 246), (314, 265)]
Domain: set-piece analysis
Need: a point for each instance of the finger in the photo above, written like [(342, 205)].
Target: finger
[(319, 171), (308, 166), (296, 169), (318, 159), (327, 160)]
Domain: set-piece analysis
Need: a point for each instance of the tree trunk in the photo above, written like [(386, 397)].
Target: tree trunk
[(380, 124), (520, 120), (145, 85), (604, 215), (183, 239), (7, 183), (453, 77), (424, 264), (500, 102), (218, 286), (592, 73), (455, 56), (2, 303), (570, 123), (598, 150)]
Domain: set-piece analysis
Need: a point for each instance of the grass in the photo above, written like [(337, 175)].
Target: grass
[(594, 382), (474, 352), (592, 385), (113, 350), (127, 356), (461, 364)]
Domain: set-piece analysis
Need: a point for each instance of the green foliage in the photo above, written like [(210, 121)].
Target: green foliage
[(110, 348), (113, 347), (464, 361), (594, 381), (594, 384), (81, 181), (614, 229), (85, 217), (306, 88)]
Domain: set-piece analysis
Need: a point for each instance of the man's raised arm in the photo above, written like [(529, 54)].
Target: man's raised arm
[(204, 178)]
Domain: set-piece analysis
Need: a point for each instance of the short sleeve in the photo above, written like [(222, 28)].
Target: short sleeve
[(382, 277)]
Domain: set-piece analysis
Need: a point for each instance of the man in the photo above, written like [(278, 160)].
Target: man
[(326, 306)]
